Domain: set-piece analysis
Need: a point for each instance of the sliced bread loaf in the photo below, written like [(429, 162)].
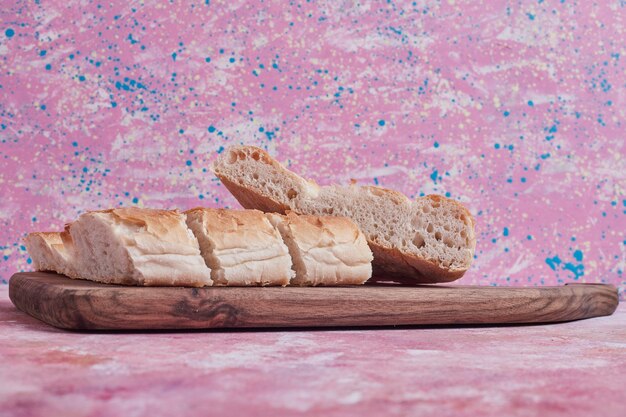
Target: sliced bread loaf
[(48, 253), (428, 240), (241, 247), (325, 250), (134, 246)]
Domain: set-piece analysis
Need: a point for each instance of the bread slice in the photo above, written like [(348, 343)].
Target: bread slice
[(49, 253), (241, 247), (134, 246), (428, 240), (325, 250)]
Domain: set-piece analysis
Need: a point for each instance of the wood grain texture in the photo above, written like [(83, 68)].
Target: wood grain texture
[(85, 305)]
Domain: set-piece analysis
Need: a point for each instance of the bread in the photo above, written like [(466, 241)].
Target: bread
[(205, 246), (241, 247), (428, 240), (48, 253), (325, 250), (134, 246)]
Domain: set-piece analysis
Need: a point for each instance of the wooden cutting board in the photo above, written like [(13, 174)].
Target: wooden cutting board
[(84, 305)]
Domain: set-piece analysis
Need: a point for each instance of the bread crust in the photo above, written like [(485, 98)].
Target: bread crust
[(49, 253), (146, 247), (241, 247), (250, 200), (325, 250)]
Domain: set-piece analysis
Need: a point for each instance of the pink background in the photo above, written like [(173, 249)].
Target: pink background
[(515, 109)]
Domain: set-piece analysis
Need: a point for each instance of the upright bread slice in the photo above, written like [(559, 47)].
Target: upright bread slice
[(325, 250), (241, 247), (136, 246), (428, 240), (49, 253)]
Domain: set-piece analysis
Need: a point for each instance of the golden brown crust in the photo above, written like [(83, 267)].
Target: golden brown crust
[(392, 265), (51, 238), (241, 247), (50, 253), (162, 224), (157, 222), (310, 227), (240, 228), (325, 250)]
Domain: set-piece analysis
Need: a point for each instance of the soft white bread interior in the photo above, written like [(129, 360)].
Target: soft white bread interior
[(325, 250), (241, 247), (49, 253), (136, 246), (428, 240)]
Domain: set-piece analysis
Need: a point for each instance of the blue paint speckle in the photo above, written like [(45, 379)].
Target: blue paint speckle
[(578, 255), (506, 113), (578, 270), (188, 163), (381, 122), (48, 67), (43, 52), (553, 262), (9, 33), (433, 176), (81, 78), (505, 231), (436, 144), (211, 129), (135, 200), (530, 103)]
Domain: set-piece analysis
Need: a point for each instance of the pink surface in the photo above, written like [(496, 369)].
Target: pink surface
[(571, 369), (514, 108)]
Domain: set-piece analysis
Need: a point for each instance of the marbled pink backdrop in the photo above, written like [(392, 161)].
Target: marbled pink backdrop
[(514, 108)]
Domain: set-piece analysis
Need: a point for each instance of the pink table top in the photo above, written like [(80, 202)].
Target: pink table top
[(567, 369)]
